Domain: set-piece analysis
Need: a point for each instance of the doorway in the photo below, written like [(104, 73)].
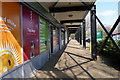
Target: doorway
[(51, 39)]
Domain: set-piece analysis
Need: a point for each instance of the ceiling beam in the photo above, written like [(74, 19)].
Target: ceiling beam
[(71, 21), (72, 31), (54, 4), (72, 25), (72, 28), (73, 8)]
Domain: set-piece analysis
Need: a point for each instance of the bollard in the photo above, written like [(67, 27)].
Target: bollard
[(90, 46)]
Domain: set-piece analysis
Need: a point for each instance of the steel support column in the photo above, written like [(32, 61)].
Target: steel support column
[(84, 34), (80, 35), (64, 37), (77, 35), (60, 43), (93, 34)]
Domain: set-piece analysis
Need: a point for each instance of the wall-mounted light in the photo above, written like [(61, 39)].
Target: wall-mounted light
[(70, 22), (53, 14), (70, 15), (69, 3)]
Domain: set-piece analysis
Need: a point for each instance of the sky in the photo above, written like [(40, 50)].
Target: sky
[(107, 12)]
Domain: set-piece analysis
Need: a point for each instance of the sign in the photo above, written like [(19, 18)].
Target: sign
[(30, 33), (43, 35), (10, 36), (99, 35)]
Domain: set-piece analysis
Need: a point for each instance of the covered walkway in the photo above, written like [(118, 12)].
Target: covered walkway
[(74, 62), (34, 37)]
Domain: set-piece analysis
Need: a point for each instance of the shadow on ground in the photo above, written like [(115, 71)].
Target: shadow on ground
[(70, 67), (78, 56), (73, 47), (50, 70), (110, 62), (81, 63)]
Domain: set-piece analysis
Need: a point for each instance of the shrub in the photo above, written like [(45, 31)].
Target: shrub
[(109, 49)]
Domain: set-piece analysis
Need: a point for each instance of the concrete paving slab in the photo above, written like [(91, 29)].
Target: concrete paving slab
[(74, 62)]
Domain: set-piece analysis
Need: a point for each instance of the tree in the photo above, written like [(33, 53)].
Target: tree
[(99, 28), (88, 27)]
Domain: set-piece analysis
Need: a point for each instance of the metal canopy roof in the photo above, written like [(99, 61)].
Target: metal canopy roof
[(68, 13)]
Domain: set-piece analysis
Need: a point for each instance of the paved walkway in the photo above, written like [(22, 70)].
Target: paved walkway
[(74, 62)]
